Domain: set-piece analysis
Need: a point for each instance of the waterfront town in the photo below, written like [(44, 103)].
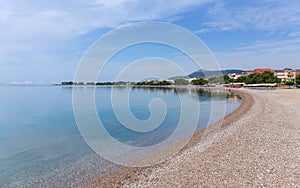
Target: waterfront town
[(284, 75), (259, 77)]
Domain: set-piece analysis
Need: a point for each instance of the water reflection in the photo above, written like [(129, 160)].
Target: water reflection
[(39, 136)]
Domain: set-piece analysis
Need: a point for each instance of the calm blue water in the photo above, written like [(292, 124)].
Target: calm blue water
[(41, 146)]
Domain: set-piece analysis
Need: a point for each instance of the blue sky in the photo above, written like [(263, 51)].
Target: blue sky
[(45, 40)]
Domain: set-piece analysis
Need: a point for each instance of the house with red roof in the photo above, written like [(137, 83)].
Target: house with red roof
[(285, 74), (288, 69), (297, 72), (259, 70), (262, 70)]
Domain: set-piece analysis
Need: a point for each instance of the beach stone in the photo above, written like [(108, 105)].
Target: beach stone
[(257, 148)]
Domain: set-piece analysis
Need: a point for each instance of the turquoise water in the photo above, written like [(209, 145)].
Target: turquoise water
[(41, 146)]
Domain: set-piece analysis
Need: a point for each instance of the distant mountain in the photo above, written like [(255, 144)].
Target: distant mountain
[(230, 71), (205, 73), (178, 77)]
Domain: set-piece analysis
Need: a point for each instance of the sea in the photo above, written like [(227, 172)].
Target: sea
[(41, 144)]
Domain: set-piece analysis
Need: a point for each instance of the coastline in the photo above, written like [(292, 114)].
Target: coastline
[(127, 175), (259, 149)]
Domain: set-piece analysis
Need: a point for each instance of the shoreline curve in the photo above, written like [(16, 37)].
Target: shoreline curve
[(127, 175)]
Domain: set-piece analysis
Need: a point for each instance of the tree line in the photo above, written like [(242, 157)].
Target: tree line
[(257, 78), (180, 81), (254, 78)]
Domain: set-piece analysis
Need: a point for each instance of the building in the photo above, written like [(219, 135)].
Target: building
[(191, 79), (281, 75), (294, 74), (285, 75), (258, 70), (262, 70), (234, 75)]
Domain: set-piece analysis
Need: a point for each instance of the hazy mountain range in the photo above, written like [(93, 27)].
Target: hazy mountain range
[(205, 73)]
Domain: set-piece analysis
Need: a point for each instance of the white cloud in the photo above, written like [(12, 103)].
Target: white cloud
[(284, 45), (294, 34), (249, 60), (48, 32), (34, 31), (36, 21), (271, 53), (77, 17), (262, 15), (280, 19)]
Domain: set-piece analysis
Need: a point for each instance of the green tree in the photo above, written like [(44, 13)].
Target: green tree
[(181, 81), (219, 80), (67, 83), (119, 83), (90, 83), (298, 79), (261, 78), (289, 83), (269, 77), (227, 80), (255, 78), (243, 79), (199, 81), (164, 83)]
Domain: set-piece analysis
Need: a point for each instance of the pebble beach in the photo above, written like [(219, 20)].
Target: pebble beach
[(258, 145)]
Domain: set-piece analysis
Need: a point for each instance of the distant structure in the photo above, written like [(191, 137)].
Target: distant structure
[(284, 75), (258, 70), (262, 70), (234, 75), (191, 79)]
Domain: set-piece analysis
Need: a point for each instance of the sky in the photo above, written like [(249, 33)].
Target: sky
[(44, 41)]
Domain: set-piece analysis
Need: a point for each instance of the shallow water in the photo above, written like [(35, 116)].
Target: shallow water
[(41, 146)]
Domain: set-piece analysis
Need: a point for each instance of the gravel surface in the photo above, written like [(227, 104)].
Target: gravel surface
[(259, 148)]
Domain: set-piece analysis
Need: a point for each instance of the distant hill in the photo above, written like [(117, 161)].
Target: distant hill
[(204, 73)]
